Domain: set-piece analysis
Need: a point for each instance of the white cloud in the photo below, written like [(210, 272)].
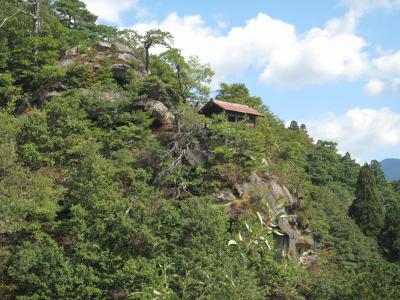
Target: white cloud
[(363, 6), (111, 10), (273, 47), (375, 87), (387, 69), (323, 55), (362, 132), (388, 65)]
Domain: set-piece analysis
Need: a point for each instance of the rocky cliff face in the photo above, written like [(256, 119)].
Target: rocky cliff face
[(266, 190), (122, 58), (123, 61)]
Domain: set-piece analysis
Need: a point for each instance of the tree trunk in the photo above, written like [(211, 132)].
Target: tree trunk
[(37, 17), (37, 21), (147, 58), (179, 75)]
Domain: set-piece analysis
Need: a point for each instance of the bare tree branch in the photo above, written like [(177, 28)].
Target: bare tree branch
[(9, 17), (20, 11)]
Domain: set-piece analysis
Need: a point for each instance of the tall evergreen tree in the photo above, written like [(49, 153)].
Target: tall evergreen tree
[(367, 208), (390, 237), (73, 13)]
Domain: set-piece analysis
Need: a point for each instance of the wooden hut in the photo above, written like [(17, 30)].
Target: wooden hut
[(234, 112)]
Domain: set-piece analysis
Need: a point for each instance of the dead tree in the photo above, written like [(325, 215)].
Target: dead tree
[(34, 14)]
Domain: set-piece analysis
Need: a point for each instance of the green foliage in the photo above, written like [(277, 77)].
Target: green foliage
[(97, 202), (367, 209), (390, 235), (151, 39), (235, 143), (191, 79), (76, 76), (73, 13), (9, 92), (105, 74), (396, 186), (239, 93), (334, 230), (376, 280), (323, 165)]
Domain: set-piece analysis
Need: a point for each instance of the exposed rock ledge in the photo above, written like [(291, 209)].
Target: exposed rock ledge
[(295, 241), (121, 57)]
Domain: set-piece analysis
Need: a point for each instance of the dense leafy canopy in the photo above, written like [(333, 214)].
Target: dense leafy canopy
[(96, 202)]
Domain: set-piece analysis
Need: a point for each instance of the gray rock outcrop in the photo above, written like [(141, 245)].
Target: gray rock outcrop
[(160, 112), (225, 197), (121, 57), (102, 46), (120, 71), (309, 260), (295, 240)]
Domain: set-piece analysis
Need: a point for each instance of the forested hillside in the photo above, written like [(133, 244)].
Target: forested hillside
[(113, 186)]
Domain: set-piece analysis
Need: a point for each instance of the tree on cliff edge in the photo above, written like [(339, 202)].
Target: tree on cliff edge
[(367, 208)]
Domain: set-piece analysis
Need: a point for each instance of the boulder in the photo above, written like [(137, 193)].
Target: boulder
[(67, 62), (271, 184), (281, 191), (125, 57), (102, 46), (309, 260), (160, 112), (120, 71), (52, 94), (72, 52), (121, 48), (225, 196)]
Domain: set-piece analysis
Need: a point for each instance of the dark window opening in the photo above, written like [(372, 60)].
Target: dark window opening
[(232, 118)]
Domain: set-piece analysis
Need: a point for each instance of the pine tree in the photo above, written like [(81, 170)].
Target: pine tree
[(367, 208), (294, 126), (390, 238), (74, 14)]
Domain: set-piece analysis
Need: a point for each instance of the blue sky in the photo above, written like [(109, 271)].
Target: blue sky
[(332, 64)]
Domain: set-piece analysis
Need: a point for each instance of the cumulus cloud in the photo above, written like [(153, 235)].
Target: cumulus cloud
[(375, 87), (361, 132), (111, 10), (387, 69), (273, 48), (388, 65), (322, 55), (282, 56)]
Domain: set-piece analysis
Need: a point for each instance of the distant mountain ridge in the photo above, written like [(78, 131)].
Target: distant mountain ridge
[(391, 168)]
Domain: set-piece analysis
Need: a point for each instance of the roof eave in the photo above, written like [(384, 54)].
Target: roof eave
[(256, 113)]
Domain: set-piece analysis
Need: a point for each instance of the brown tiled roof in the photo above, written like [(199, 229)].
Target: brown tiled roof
[(241, 108)]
